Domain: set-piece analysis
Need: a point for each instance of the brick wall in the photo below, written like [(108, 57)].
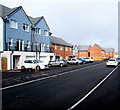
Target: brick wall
[(62, 50)]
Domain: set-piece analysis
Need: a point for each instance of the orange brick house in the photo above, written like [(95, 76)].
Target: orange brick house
[(83, 50), (100, 53), (61, 48), (95, 51), (110, 53)]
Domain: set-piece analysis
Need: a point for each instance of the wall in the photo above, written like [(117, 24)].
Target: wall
[(23, 56), (42, 38), (19, 33), (97, 53), (62, 52)]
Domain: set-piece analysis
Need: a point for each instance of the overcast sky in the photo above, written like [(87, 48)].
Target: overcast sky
[(82, 22)]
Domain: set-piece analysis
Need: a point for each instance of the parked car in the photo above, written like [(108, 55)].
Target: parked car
[(83, 60), (74, 61), (60, 63), (89, 59), (33, 65), (118, 59), (112, 62)]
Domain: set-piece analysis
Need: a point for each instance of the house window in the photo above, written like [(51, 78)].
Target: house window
[(28, 44), (66, 57), (106, 53), (14, 24), (55, 47), (80, 52), (70, 49), (10, 42), (20, 45), (26, 27), (60, 47), (23, 45), (45, 32), (38, 31), (66, 49), (84, 52)]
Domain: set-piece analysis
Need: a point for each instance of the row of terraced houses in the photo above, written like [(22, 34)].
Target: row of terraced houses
[(25, 37)]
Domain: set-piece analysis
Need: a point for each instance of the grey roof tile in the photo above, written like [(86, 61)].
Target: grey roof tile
[(109, 49), (5, 11), (34, 20), (59, 41), (83, 47)]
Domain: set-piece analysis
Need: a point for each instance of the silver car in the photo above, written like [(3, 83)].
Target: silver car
[(60, 63)]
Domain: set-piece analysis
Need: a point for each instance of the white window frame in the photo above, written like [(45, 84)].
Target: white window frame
[(38, 31), (11, 42), (25, 27), (23, 45), (55, 47), (28, 44), (66, 48), (13, 24), (46, 33), (61, 47)]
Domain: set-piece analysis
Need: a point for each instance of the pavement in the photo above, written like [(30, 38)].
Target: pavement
[(12, 77), (63, 91)]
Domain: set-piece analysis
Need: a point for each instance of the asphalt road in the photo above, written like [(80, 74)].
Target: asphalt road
[(63, 91)]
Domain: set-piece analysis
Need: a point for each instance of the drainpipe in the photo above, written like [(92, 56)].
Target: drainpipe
[(11, 60)]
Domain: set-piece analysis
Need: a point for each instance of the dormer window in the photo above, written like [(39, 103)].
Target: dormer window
[(14, 24), (26, 27)]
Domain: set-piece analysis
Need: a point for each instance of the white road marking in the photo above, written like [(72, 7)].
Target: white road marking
[(82, 99), (28, 82)]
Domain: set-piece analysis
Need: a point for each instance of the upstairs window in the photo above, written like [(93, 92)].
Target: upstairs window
[(14, 24), (55, 47), (60, 47), (38, 31), (66, 49), (46, 33), (26, 27)]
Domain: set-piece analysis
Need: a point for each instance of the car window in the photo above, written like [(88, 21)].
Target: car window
[(112, 60), (28, 61)]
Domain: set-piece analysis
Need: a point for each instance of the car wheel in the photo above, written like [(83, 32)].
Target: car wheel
[(23, 69), (49, 65), (37, 68), (61, 64)]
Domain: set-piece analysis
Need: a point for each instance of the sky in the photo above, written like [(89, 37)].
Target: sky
[(79, 22)]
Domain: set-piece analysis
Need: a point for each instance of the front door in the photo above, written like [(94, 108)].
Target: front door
[(16, 61)]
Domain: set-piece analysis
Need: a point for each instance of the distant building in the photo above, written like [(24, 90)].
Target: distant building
[(110, 53), (61, 48), (83, 51), (95, 51)]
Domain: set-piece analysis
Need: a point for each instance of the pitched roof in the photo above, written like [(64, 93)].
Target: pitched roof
[(34, 20), (5, 11), (109, 49), (83, 47), (59, 41), (100, 47)]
